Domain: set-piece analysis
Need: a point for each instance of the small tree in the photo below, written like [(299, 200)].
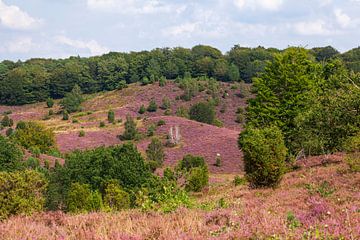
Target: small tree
[(79, 198), (111, 116), (152, 106), (203, 112), (233, 73), (10, 155), (155, 152), (116, 198), (49, 102), (130, 129), (166, 104), (162, 81), (142, 109), (189, 161), (6, 121), (264, 155), (197, 179), (72, 100), (65, 115)]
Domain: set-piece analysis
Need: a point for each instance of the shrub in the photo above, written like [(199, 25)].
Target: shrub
[(21, 125), (182, 112), (21, 192), (122, 84), (72, 100), (35, 135), (10, 155), (167, 112), (35, 151), (65, 115), (353, 161), (161, 122), (75, 121), (111, 116), (166, 104), (155, 152), (152, 106), (264, 155), (142, 109), (82, 133), (49, 102), (190, 161), (6, 121), (51, 112), (145, 81), (239, 181), (32, 163), (102, 124), (197, 179), (203, 112), (218, 123), (151, 130), (80, 198), (352, 144), (9, 132), (162, 81), (130, 129), (114, 197)]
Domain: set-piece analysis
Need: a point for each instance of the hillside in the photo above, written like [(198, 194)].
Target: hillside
[(319, 201), (197, 138)]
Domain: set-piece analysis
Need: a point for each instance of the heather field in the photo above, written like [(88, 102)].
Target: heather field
[(318, 201)]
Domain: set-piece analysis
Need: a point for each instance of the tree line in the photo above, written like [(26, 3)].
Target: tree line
[(38, 79)]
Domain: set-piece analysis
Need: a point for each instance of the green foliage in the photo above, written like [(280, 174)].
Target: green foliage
[(182, 112), (189, 161), (49, 102), (166, 104), (82, 133), (162, 81), (130, 129), (51, 112), (233, 73), (161, 122), (72, 101), (6, 121), (239, 181), (291, 221), (102, 124), (202, 112), (142, 109), (115, 197), (10, 155), (197, 179), (155, 152), (152, 106), (324, 189), (264, 155), (353, 161), (21, 192), (65, 115), (34, 134), (9, 132), (111, 116), (80, 199), (151, 130), (352, 144)]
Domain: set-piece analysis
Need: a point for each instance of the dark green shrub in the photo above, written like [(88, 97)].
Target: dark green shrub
[(115, 197), (35, 135), (21, 192), (122, 84), (155, 152), (111, 116), (190, 161), (75, 121), (166, 104), (72, 100), (49, 102), (35, 151), (10, 155), (264, 155), (161, 122), (162, 81), (32, 163), (169, 174), (6, 121), (197, 179), (82, 133), (102, 124), (9, 132), (130, 129), (203, 112), (142, 109), (152, 106), (218, 123), (151, 130), (65, 115)]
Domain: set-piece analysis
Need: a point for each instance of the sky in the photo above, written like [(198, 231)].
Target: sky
[(63, 28)]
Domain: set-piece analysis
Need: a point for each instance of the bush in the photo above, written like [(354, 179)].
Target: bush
[(35, 151), (152, 106), (130, 129), (264, 155), (21, 192), (155, 152), (352, 144), (114, 197), (353, 161), (9, 132), (166, 104), (142, 109), (151, 130), (161, 122), (82, 133), (35, 135), (203, 112), (167, 112), (72, 100), (239, 181), (65, 115), (49, 102), (51, 112), (102, 124), (190, 161), (182, 112), (6, 121), (197, 179), (162, 82), (10, 155), (111, 116), (80, 199)]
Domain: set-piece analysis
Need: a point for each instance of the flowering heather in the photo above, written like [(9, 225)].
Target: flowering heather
[(223, 212)]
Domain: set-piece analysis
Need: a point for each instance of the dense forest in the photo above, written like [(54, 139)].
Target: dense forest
[(36, 80)]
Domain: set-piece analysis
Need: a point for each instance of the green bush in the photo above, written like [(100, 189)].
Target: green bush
[(152, 106), (161, 122), (21, 192), (6, 121), (72, 100), (51, 112), (34, 134), (239, 181), (203, 112), (130, 129), (182, 112), (190, 161), (102, 124), (65, 115), (353, 161), (80, 199), (352, 144), (111, 116), (166, 104), (82, 133), (264, 155), (115, 197), (162, 82), (167, 112), (197, 179), (49, 102), (151, 130), (35, 151), (9, 132), (155, 152), (10, 155), (142, 109)]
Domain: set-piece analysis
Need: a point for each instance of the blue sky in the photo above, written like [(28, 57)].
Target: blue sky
[(61, 28)]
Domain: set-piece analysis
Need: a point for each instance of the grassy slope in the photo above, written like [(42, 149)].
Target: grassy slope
[(320, 212)]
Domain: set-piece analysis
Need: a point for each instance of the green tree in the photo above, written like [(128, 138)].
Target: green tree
[(166, 104), (233, 73), (142, 109), (10, 155), (152, 106), (49, 102), (202, 112), (115, 197), (111, 116), (189, 161), (264, 155), (155, 152), (72, 101), (80, 198), (130, 129), (197, 179)]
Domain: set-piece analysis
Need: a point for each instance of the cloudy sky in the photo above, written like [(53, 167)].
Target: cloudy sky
[(61, 28)]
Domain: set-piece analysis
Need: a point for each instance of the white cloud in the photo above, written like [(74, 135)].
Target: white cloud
[(20, 45), (92, 46), (135, 6), (12, 16), (317, 27), (342, 19), (270, 5), (182, 29)]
